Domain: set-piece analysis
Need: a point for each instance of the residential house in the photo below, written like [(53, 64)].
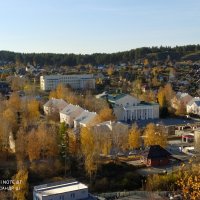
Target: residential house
[(193, 106), (70, 190), (54, 106), (181, 99), (84, 119), (155, 155), (70, 113)]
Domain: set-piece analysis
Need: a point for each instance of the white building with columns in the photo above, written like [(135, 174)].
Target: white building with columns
[(128, 108), (76, 81)]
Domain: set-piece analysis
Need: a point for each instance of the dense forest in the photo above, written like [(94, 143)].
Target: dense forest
[(178, 53)]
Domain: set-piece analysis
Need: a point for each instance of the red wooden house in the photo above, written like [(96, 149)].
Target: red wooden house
[(155, 155)]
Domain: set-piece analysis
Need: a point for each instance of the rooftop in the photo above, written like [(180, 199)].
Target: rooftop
[(156, 151), (53, 102), (59, 187), (70, 108)]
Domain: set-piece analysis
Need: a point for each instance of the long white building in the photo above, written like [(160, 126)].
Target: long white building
[(62, 190), (76, 81)]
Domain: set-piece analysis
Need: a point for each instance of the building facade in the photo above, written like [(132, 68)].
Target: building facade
[(156, 156), (84, 119), (76, 81), (62, 190), (127, 108), (54, 106), (181, 99), (69, 113)]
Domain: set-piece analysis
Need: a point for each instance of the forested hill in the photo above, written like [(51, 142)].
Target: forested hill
[(178, 53)]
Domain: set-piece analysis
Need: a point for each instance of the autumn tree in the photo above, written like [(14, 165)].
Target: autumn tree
[(106, 114), (11, 117), (189, 181), (33, 110), (33, 146), (137, 87), (110, 71), (119, 134), (89, 151), (103, 139), (146, 62), (180, 109), (4, 135), (14, 102), (153, 136), (161, 98), (17, 83), (134, 138), (21, 147), (42, 143), (20, 187)]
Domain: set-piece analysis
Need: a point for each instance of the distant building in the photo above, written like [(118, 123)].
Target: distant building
[(54, 106), (109, 126), (193, 106), (181, 99), (70, 113), (62, 190), (155, 155), (76, 81), (128, 108)]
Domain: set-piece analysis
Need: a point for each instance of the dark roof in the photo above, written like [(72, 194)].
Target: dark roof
[(113, 98), (197, 103), (156, 151)]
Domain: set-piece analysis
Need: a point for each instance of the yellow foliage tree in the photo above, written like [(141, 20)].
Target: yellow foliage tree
[(189, 181), (20, 187), (106, 114), (161, 97), (89, 150), (42, 143), (33, 147), (152, 136), (10, 117), (33, 109), (134, 138), (110, 71), (14, 102)]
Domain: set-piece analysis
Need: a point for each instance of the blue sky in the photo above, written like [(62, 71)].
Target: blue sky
[(89, 26)]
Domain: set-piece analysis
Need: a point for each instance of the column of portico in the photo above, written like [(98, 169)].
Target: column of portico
[(136, 117)]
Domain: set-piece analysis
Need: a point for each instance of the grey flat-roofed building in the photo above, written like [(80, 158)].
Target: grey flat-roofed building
[(76, 81)]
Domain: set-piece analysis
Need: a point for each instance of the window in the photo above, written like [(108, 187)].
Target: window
[(73, 195), (62, 197)]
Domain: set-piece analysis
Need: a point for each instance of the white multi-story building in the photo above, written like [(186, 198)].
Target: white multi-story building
[(127, 108), (76, 81), (84, 119), (69, 113), (62, 190)]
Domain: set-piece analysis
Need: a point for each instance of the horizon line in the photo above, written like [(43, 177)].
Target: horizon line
[(120, 51)]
